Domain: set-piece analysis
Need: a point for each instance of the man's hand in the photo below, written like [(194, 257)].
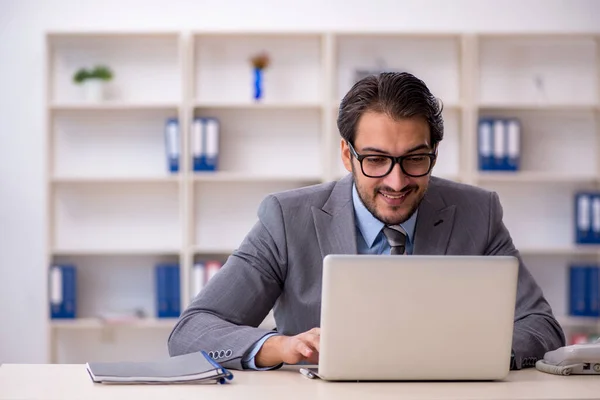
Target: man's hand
[(290, 349)]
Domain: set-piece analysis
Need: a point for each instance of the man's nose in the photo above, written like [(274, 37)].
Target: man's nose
[(396, 179)]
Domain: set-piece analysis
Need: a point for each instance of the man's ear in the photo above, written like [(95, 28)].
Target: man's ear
[(346, 156)]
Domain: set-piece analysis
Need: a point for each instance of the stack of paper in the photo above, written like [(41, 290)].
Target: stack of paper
[(188, 368)]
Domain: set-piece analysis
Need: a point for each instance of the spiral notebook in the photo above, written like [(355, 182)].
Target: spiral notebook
[(196, 368)]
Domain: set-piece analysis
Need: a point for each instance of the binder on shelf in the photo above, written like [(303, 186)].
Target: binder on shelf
[(168, 293), (172, 140), (595, 218), (577, 290), (197, 143), (513, 132), (499, 144), (198, 278), (211, 159), (583, 218), (485, 145), (584, 290), (174, 291), (593, 291), (499, 147), (205, 144), (63, 291), (162, 290)]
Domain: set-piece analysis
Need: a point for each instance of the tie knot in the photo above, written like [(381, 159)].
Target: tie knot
[(396, 236)]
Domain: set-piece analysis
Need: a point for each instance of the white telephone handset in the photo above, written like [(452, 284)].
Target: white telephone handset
[(577, 359)]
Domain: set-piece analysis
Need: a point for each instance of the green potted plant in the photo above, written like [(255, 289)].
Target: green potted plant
[(93, 81)]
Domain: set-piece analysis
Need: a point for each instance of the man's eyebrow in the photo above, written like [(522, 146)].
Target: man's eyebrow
[(376, 150)]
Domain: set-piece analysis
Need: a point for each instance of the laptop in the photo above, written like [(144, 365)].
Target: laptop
[(417, 317)]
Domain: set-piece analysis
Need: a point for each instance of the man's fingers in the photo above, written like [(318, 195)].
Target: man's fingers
[(313, 340), (306, 345), (304, 349)]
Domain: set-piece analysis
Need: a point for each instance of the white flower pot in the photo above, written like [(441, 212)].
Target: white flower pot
[(93, 90)]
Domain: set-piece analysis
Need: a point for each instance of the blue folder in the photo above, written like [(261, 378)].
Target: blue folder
[(63, 292)]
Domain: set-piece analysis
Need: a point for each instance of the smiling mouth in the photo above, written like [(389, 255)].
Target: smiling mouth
[(396, 196)]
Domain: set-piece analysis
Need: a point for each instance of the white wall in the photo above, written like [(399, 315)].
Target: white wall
[(23, 23)]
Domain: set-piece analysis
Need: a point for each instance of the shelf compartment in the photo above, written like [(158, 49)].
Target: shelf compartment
[(223, 73), (266, 142), (109, 285), (119, 143), (141, 216), (547, 72), (147, 68), (550, 212), (543, 147)]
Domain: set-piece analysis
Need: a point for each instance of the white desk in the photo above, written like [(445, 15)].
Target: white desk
[(22, 381)]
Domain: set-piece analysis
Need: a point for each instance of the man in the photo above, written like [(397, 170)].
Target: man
[(391, 126)]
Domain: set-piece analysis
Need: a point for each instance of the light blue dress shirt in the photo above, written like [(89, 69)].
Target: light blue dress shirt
[(369, 240)]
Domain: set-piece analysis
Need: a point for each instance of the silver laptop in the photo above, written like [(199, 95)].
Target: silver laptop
[(417, 317)]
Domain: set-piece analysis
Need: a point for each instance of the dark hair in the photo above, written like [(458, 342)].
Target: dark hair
[(397, 94)]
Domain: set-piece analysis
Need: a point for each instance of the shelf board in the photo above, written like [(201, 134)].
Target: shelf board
[(58, 34), (115, 179), (532, 177), (537, 107), (114, 251), (575, 322), (235, 33), (199, 250), (590, 250), (97, 323), (258, 106), (243, 177), (113, 106)]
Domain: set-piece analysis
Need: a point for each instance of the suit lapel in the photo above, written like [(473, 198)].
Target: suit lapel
[(434, 223), (334, 222)]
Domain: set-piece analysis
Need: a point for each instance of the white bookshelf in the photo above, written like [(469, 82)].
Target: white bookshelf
[(115, 211)]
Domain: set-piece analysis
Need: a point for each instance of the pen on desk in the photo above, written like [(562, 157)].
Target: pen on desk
[(307, 373)]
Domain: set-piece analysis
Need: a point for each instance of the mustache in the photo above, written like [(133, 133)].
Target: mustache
[(388, 190)]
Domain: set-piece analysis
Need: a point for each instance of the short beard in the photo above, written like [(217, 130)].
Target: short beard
[(371, 206)]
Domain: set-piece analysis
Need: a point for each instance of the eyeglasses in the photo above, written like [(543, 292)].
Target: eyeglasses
[(378, 166)]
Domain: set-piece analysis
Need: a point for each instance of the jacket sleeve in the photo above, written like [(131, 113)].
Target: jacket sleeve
[(223, 319), (536, 331)]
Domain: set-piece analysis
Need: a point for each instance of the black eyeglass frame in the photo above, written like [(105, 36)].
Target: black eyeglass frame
[(395, 160)]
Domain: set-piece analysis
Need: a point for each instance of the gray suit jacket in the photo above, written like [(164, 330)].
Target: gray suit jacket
[(279, 265)]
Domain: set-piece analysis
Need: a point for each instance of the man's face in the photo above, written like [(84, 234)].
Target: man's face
[(395, 197)]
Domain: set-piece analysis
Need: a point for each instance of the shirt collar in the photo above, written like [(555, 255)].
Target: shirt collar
[(370, 226)]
